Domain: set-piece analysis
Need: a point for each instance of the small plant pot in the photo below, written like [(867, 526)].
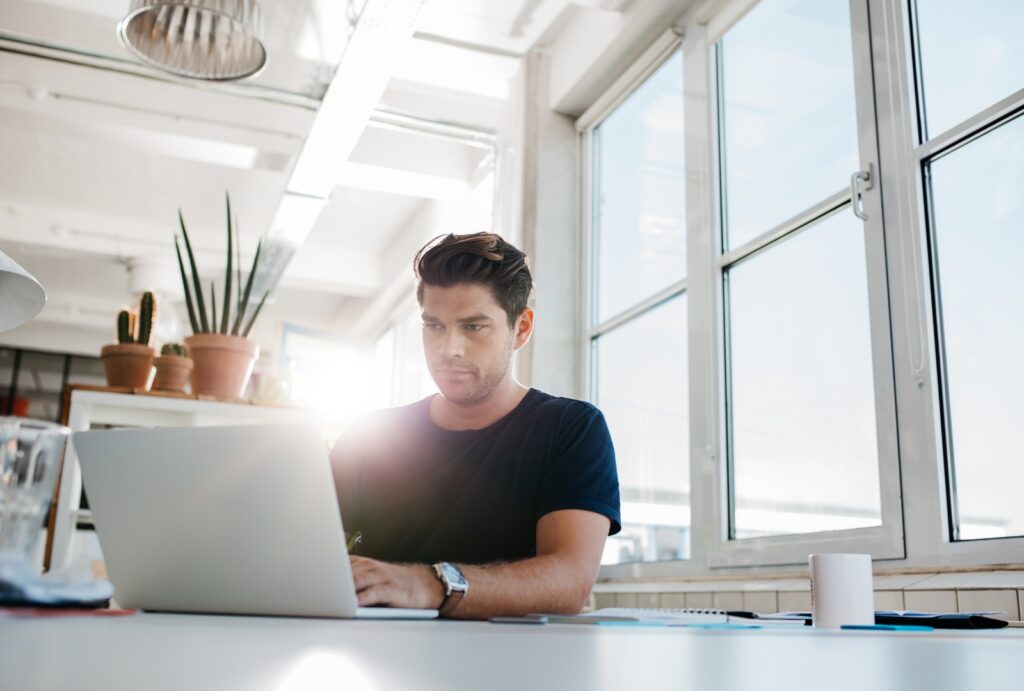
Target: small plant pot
[(128, 365), (172, 373), (222, 364)]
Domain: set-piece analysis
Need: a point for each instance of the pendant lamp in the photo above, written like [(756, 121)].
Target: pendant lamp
[(215, 40), (21, 296)]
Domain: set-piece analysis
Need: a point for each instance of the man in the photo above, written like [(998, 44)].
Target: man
[(487, 498)]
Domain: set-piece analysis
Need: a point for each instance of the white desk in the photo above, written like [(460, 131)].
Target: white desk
[(155, 652)]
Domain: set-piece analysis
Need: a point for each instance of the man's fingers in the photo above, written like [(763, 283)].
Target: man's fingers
[(375, 595), (368, 572)]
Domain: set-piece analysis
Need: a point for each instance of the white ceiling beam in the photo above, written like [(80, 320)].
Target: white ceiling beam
[(597, 45), (97, 112), (154, 94), (350, 273), (365, 176)]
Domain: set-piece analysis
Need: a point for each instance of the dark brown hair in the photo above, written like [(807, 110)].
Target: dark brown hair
[(483, 258)]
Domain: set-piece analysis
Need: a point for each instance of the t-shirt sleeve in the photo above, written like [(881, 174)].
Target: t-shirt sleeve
[(581, 473)]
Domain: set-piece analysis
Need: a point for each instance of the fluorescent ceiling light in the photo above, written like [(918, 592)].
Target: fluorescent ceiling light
[(365, 176), (295, 217), (377, 44)]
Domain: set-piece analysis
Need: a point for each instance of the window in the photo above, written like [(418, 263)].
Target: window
[(787, 112), (849, 236), (638, 325), (804, 448), (801, 419), (972, 146), (641, 388), (969, 60), (640, 194)]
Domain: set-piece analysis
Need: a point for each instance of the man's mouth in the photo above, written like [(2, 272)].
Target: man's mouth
[(453, 371)]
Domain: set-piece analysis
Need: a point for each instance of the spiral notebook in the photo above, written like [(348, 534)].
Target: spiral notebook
[(643, 616), (669, 616)]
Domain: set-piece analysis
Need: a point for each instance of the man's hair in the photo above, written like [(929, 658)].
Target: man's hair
[(483, 258)]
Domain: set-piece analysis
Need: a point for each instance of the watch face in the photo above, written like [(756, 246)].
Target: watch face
[(452, 575)]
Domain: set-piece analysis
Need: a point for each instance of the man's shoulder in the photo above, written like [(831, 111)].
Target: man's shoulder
[(563, 409), (553, 402)]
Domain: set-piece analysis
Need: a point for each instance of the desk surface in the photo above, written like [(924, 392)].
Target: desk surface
[(165, 651)]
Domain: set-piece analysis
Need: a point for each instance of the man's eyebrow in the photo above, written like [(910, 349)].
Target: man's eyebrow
[(463, 320)]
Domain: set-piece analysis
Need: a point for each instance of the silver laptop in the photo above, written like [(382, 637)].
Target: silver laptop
[(233, 520)]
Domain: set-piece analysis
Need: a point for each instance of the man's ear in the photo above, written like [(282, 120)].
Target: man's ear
[(524, 327)]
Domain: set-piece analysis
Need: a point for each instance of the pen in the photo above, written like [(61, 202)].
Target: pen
[(356, 539)]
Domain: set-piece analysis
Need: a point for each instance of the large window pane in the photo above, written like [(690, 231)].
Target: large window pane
[(789, 115), (642, 390), (971, 54), (803, 416), (978, 227), (640, 194)]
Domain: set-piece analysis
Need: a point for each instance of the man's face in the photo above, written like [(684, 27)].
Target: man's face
[(467, 340)]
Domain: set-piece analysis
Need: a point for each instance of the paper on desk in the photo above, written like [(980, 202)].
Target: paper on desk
[(21, 585)]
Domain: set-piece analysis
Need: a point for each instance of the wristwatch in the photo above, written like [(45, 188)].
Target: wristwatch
[(455, 586)]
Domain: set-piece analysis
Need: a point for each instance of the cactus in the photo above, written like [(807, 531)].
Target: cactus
[(133, 318), (178, 349), (147, 317), (124, 334)]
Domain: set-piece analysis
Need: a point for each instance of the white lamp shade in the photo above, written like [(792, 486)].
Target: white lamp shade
[(21, 296)]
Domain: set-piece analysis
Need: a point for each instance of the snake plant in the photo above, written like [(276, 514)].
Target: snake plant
[(197, 314)]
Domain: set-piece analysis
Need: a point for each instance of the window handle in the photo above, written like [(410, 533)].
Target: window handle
[(859, 182)]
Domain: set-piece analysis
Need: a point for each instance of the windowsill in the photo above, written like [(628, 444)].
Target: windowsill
[(1009, 576)]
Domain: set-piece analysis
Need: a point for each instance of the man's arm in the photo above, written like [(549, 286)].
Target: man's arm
[(557, 580)]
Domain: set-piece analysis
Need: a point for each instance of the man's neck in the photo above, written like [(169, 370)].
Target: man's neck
[(498, 404)]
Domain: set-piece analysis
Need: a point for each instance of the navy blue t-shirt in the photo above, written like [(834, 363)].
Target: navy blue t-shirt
[(420, 493)]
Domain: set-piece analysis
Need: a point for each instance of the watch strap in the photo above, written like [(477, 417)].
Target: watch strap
[(451, 602)]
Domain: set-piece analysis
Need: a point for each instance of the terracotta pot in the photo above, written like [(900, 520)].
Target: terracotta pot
[(172, 373), (221, 364), (128, 364)]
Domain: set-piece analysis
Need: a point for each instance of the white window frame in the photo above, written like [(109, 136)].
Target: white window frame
[(661, 50), (929, 520), (903, 338)]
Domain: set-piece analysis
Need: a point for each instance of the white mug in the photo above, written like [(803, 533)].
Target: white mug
[(841, 590)]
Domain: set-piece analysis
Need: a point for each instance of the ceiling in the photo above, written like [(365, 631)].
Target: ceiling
[(107, 150)]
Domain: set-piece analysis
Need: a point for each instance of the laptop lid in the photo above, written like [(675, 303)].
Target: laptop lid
[(239, 520)]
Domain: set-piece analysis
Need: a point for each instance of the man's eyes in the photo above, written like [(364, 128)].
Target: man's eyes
[(434, 326)]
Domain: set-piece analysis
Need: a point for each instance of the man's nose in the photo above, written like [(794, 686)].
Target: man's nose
[(452, 344)]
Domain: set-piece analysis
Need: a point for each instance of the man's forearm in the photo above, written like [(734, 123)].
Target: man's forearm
[(550, 583)]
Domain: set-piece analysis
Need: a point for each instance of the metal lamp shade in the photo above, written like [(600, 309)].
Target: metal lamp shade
[(21, 296), (216, 40)]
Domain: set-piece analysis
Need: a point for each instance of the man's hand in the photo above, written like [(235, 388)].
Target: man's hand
[(396, 585)]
